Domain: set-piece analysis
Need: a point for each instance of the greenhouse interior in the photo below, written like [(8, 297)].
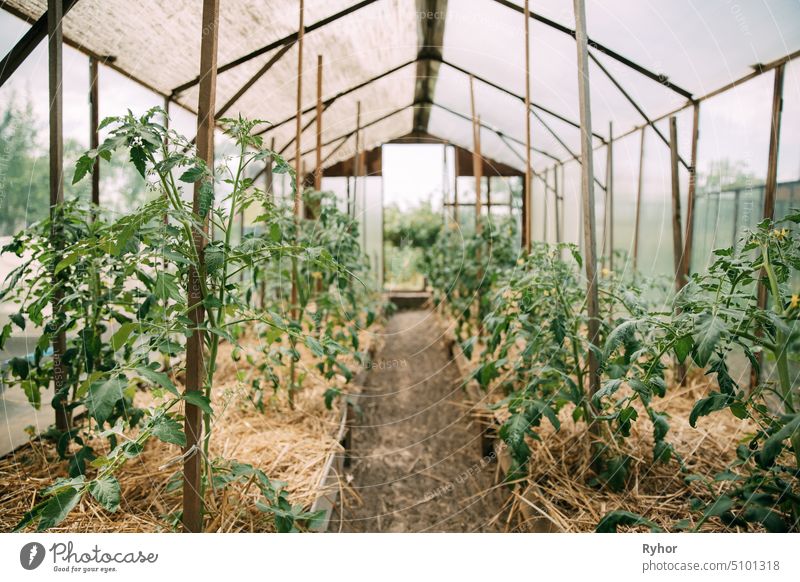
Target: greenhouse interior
[(400, 266)]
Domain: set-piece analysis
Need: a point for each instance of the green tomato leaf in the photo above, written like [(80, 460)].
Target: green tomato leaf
[(168, 430), (199, 400), (106, 491)]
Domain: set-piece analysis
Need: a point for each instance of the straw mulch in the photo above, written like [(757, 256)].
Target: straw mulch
[(288, 445), (558, 494)]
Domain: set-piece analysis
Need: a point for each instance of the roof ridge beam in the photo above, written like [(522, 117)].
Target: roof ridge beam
[(658, 78)]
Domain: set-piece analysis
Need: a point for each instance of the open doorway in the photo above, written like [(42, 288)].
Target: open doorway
[(416, 180)]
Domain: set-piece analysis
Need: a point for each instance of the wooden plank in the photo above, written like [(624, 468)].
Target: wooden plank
[(318, 168), (526, 203), (195, 358), (638, 211), (587, 196)]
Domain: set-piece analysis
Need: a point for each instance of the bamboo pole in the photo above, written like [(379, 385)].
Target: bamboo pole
[(195, 365), (477, 170), (638, 218), (63, 415), (526, 191), (318, 168), (587, 195)]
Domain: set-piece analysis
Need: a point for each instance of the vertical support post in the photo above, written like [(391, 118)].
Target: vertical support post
[(610, 195), (546, 180), (488, 196), (456, 170), (677, 231), (558, 198), (688, 241), (167, 101), (587, 195), (356, 158), (772, 173), (477, 169), (63, 415), (735, 222), (298, 152), (318, 168), (269, 178), (526, 190), (94, 121), (638, 217), (774, 143), (195, 365), (299, 172)]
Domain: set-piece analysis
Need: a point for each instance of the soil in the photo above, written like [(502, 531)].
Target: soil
[(416, 462)]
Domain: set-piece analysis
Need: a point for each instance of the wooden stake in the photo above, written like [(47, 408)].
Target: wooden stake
[(318, 168), (456, 170), (476, 154), (677, 231), (587, 194), (610, 195), (298, 153), (526, 191), (774, 143), (637, 220), (269, 179), (63, 415), (559, 198), (94, 121), (688, 241), (356, 158), (195, 365), (772, 174)]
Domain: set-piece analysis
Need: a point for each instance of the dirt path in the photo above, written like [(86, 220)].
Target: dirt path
[(416, 462)]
